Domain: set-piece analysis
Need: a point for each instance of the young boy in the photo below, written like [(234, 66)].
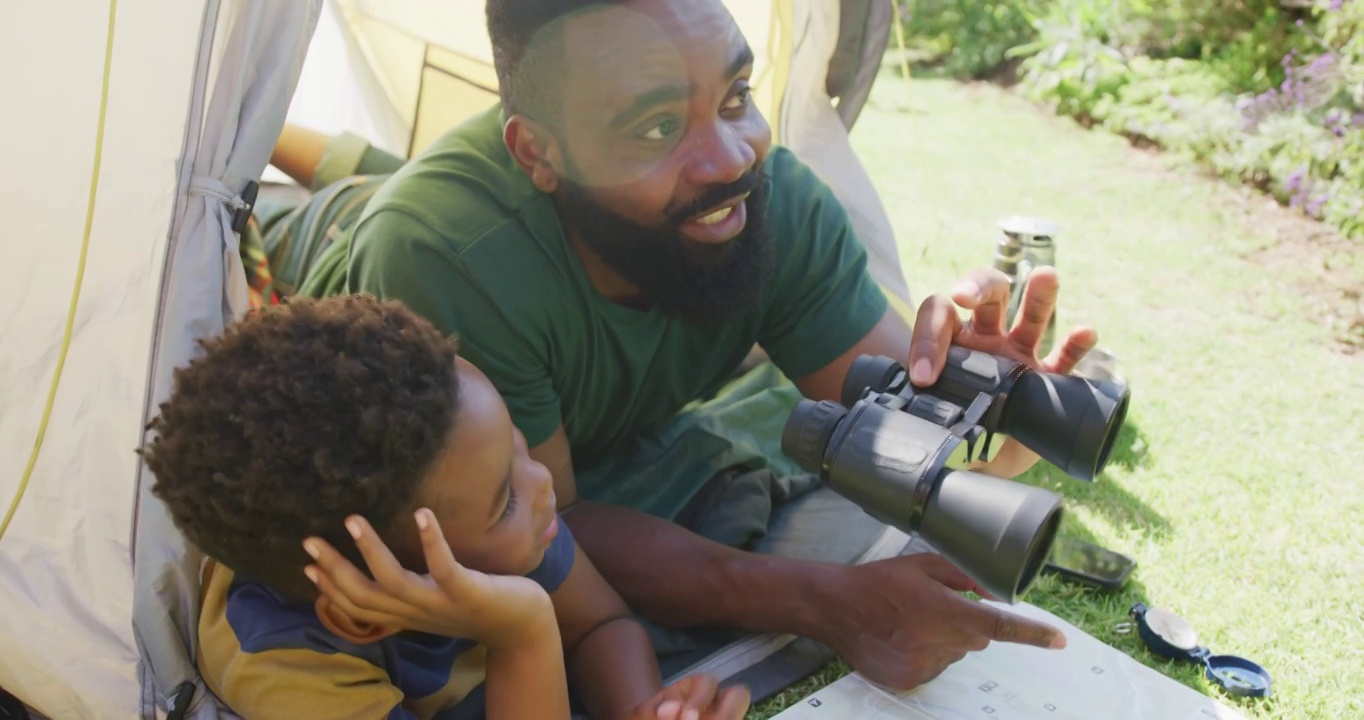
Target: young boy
[(347, 427)]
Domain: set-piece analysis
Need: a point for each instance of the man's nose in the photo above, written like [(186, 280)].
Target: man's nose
[(721, 156)]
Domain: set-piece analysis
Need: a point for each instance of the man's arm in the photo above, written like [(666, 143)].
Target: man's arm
[(675, 576), (899, 621), (298, 151)]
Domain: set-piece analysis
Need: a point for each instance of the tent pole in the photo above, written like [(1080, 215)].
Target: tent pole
[(900, 40)]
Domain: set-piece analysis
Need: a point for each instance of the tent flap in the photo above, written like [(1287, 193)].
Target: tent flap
[(253, 76)]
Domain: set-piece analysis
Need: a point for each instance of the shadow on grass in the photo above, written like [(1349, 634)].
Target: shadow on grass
[(1103, 496), (1103, 612)]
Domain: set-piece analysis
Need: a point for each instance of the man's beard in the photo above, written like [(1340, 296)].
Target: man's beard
[(694, 282)]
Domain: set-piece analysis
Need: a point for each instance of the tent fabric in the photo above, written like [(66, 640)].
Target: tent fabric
[(160, 272), (98, 592), (66, 590), (810, 124), (863, 31), (262, 49)]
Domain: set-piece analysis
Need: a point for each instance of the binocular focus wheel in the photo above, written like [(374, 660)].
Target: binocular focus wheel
[(869, 372)]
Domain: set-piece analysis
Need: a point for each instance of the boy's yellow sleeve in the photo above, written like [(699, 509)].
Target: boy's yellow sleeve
[(286, 682), (305, 684)]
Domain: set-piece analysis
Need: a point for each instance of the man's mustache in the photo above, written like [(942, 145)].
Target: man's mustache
[(715, 195)]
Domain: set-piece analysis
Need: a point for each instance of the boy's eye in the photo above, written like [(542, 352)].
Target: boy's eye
[(739, 99), (662, 130), (511, 504)]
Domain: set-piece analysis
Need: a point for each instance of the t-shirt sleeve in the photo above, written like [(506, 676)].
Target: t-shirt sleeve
[(398, 257), (262, 663), (307, 683), (558, 561), (823, 300)]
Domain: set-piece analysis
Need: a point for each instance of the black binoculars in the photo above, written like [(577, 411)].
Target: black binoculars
[(887, 445)]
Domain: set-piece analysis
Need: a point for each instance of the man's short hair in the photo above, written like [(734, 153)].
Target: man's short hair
[(297, 417), (528, 51)]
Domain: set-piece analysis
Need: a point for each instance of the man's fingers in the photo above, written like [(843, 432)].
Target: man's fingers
[(441, 564), (1007, 627), (985, 292), (1068, 354), (1035, 309), (941, 569), (936, 324), (981, 285)]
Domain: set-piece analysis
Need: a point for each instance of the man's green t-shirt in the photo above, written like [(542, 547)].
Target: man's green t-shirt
[(462, 237)]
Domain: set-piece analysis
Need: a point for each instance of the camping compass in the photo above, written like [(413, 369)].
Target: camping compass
[(1172, 637)]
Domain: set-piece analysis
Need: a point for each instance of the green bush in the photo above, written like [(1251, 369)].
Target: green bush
[(1080, 56), (970, 37), (1241, 40), (1300, 139), (1262, 91)]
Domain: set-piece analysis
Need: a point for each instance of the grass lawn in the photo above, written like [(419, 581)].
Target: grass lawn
[(1239, 482)]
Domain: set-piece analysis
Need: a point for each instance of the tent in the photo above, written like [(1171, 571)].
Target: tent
[(132, 133)]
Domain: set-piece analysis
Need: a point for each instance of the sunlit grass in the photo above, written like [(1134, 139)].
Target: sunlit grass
[(1237, 484)]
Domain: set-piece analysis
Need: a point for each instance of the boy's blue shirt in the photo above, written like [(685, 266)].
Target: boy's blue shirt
[(268, 656)]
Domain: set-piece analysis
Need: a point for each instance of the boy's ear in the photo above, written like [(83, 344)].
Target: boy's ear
[(344, 626), (535, 150)]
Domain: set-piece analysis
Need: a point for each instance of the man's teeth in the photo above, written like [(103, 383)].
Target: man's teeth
[(716, 216)]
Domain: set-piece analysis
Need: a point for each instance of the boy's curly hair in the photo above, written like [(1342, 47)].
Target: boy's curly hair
[(295, 418)]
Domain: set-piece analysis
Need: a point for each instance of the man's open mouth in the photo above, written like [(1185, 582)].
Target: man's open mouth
[(720, 213)]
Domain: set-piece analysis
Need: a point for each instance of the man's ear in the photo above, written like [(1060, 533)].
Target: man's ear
[(341, 624), (535, 150)]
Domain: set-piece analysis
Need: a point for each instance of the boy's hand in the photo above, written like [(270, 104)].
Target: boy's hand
[(451, 600), (694, 698)]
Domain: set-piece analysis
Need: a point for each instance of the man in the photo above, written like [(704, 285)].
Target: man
[(608, 245)]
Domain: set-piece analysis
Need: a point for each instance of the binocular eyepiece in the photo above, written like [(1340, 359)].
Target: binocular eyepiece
[(886, 448)]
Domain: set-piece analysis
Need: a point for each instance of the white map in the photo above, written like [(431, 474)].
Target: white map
[(1085, 681)]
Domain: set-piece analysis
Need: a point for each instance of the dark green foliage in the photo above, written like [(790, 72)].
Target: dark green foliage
[(1268, 92)]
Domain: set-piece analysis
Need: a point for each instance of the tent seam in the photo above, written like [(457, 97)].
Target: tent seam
[(190, 148)]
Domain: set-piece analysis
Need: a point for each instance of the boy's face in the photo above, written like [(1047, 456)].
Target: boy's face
[(495, 504)]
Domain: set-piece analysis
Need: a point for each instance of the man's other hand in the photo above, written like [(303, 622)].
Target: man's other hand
[(901, 622)]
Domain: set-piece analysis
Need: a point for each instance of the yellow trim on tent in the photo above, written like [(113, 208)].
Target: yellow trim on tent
[(454, 87), (80, 276), (783, 25)]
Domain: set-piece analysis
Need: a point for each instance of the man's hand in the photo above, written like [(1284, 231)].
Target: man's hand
[(451, 600), (695, 697), (986, 293), (900, 621)]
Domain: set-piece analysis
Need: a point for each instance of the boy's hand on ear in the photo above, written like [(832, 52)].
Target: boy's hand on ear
[(695, 697), (451, 600)]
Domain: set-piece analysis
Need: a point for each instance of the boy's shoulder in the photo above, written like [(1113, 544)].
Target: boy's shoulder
[(261, 652)]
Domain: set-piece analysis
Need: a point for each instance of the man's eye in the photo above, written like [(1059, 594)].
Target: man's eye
[(739, 100), (662, 130)]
